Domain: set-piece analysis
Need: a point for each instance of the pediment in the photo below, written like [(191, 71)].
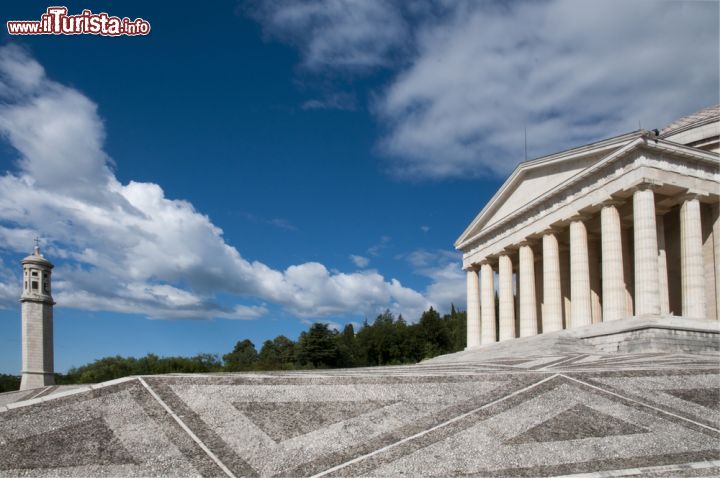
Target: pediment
[(534, 178)]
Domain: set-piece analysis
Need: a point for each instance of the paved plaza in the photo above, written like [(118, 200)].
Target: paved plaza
[(562, 413)]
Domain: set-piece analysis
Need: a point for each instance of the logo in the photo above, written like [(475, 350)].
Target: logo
[(56, 21)]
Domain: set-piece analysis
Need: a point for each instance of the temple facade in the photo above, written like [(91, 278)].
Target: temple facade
[(624, 227)]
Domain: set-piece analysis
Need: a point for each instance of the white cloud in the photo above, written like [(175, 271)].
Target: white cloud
[(471, 75), (127, 247), (425, 228), (359, 261), (10, 289), (444, 270), (347, 34), (572, 71)]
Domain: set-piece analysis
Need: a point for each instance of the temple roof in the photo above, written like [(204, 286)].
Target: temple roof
[(705, 115)]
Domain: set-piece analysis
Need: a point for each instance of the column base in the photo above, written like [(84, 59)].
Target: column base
[(32, 380)]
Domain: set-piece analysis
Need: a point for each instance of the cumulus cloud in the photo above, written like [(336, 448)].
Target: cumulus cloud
[(128, 247), (474, 74)]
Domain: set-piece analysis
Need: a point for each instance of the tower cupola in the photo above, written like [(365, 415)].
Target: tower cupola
[(38, 361), (37, 278)]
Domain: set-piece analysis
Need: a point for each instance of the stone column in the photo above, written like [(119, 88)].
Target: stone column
[(507, 303), (580, 305), (647, 296), (691, 259), (528, 304), (613, 282), (473, 309), (487, 283), (662, 265), (552, 292)]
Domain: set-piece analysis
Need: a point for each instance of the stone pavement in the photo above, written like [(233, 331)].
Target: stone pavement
[(579, 414)]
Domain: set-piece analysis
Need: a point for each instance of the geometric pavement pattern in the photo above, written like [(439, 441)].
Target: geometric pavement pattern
[(653, 414)]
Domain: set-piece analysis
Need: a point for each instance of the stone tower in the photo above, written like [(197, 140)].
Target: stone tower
[(37, 322)]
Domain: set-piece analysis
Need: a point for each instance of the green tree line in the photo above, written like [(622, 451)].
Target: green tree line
[(8, 383), (388, 340)]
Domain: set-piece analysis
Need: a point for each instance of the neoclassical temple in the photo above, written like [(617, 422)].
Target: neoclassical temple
[(624, 227)]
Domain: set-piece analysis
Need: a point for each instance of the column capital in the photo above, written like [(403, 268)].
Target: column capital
[(612, 202), (689, 196), (679, 199), (554, 229), (471, 268), (579, 217), (489, 260), (645, 186)]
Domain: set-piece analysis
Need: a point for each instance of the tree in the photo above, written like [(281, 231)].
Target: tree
[(286, 350), (9, 383), (385, 341), (101, 370), (347, 347), (318, 346), (388, 340), (110, 368), (243, 357), (457, 328), (268, 356), (277, 354), (413, 344), (434, 333)]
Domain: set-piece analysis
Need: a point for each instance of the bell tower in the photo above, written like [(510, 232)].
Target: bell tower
[(37, 322)]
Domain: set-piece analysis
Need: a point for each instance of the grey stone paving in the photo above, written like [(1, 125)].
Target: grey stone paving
[(577, 413)]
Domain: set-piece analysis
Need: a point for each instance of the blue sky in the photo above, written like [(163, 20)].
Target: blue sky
[(251, 167)]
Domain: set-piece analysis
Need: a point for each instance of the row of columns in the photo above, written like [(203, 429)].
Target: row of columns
[(650, 275)]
